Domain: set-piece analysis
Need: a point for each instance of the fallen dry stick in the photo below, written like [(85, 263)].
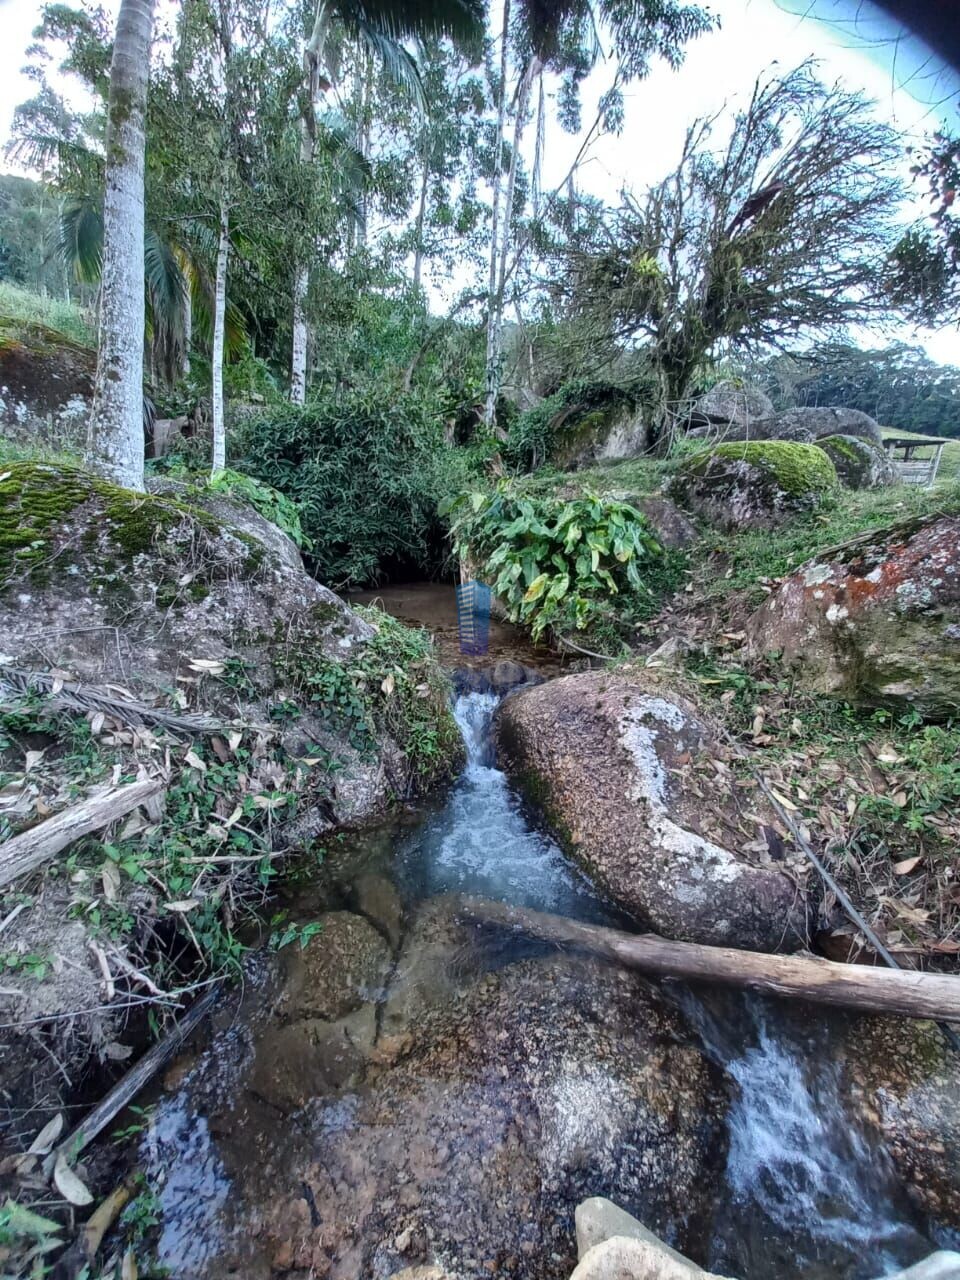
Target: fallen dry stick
[(851, 986), (31, 849)]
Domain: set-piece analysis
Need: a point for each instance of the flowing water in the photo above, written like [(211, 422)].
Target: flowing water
[(804, 1192)]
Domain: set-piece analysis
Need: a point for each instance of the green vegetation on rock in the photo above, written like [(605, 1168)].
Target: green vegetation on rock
[(796, 469)]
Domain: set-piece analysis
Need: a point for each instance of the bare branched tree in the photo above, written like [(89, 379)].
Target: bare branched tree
[(779, 235)]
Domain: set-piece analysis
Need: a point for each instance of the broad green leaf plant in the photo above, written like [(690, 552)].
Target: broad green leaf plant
[(554, 564)]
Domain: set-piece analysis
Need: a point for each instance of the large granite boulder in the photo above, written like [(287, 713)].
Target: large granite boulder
[(635, 783), (804, 426), (859, 463), (755, 485), (733, 402), (546, 1081), (877, 621)]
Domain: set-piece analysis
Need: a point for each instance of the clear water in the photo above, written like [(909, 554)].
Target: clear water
[(482, 842), (803, 1193)]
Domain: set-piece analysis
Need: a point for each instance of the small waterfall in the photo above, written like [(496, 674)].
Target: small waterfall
[(473, 713), (482, 842), (803, 1184)]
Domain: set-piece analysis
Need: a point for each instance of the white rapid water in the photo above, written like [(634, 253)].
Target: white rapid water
[(481, 841), (804, 1191)]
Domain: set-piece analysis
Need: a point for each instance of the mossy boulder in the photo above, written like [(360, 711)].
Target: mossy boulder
[(859, 464), (875, 622), (757, 484), (183, 609)]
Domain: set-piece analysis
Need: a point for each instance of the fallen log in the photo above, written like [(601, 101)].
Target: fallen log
[(850, 986), (129, 1085), (31, 849)]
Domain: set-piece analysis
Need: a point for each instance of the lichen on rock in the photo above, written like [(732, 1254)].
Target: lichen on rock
[(876, 621), (757, 484)]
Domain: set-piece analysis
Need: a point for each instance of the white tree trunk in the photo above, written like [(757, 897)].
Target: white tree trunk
[(115, 431), (312, 57), (298, 364), (493, 332), (219, 325), (187, 324)]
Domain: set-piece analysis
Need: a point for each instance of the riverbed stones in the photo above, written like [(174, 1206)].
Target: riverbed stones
[(876, 621), (340, 968), (377, 898), (639, 788), (544, 1082), (629, 1258)]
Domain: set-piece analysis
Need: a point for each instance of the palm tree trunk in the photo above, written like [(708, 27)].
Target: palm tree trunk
[(115, 431), (493, 332), (219, 325), (187, 322), (312, 57)]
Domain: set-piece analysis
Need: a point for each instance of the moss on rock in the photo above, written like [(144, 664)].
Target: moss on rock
[(859, 464), (757, 483)]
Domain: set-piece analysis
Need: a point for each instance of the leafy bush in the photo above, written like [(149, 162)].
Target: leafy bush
[(360, 467), (269, 502), (569, 416), (554, 563)]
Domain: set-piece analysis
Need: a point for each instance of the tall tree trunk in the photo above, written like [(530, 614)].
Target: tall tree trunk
[(219, 325), (115, 431), (495, 349), (187, 322), (298, 363), (312, 57), (493, 333), (421, 219)]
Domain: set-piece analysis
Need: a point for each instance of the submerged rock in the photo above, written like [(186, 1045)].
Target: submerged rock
[(340, 968), (878, 621), (859, 464), (544, 1082), (624, 770), (756, 485)]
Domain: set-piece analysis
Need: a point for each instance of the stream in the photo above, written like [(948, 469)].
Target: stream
[(798, 1192)]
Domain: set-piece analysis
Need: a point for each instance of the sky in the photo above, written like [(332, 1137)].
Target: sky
[(854, 42)]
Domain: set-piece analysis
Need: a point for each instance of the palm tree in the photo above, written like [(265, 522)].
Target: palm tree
[(115, 432), (381, 26)]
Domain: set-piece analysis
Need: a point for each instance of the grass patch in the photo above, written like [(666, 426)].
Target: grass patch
[(753, 556), (23, 314)]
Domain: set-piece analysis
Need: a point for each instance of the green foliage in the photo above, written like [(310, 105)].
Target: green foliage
[(573, 415), (269, 502), (393, 686), (555, 564), (361, 468), (300, 934)]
